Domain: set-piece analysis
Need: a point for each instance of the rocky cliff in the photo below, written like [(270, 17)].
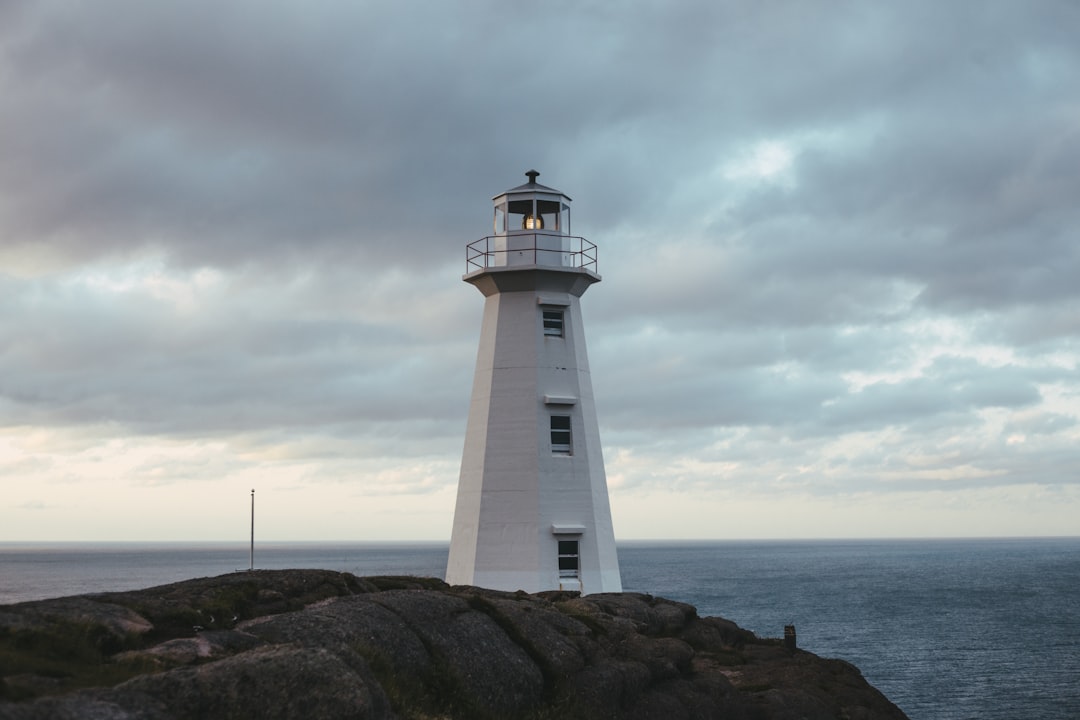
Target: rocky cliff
[(316, 644)]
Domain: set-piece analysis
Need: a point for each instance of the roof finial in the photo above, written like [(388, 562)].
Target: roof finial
[(532, 175)]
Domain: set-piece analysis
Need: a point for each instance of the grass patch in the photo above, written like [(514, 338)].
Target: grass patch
[(432, 695), (68, 655), (406, 582), (595, 625)]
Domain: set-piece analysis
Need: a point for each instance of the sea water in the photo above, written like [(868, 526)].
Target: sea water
[(946, 629)]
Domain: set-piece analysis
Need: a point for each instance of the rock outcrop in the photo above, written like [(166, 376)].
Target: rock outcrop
[(317, 644)]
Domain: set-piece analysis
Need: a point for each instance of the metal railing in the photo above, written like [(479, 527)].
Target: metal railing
[(518, 249)]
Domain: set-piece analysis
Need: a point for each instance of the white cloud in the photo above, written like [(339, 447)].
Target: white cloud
[(767, 160)]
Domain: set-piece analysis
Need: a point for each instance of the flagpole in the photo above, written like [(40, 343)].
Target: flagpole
[(251, 556)]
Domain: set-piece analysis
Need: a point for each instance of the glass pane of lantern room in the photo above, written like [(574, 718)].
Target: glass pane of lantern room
[(500, 221), (549, 213), (517, 211)]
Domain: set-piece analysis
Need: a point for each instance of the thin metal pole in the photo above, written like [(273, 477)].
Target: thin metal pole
[(251, 556)]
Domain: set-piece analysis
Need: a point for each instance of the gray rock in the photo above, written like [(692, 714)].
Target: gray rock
[(488, 672), (262, 684), (317, 644)]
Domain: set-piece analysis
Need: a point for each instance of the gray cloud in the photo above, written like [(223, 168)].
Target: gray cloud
[(247, 222), (72, 356), (946, 388)]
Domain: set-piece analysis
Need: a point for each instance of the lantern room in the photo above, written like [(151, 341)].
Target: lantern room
[(532, 208), (532, 228)]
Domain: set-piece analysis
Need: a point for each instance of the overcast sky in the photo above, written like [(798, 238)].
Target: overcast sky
[(839, 241)]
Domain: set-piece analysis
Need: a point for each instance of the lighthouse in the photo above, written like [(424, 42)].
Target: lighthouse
[(532, 507)]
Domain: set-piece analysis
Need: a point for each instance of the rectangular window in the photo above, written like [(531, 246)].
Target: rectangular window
[(569, 565), (553, 323), (560, 434)]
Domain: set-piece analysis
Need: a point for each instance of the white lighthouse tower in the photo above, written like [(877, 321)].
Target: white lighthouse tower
[(532, 506)]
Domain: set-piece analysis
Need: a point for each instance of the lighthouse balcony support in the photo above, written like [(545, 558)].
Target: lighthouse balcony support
[(530, 249)]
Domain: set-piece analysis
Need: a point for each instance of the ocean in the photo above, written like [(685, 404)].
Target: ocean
[(946, 629)]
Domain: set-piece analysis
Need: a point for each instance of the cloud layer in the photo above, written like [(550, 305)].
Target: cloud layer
[(838, 240)]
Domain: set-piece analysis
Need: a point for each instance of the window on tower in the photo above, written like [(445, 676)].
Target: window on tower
[(560, 434), (569, 559), (553, 323)]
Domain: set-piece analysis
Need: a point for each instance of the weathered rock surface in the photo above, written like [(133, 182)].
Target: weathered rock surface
[(317, 644)]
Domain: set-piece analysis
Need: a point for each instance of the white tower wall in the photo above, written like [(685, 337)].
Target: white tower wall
[(517, 496)]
